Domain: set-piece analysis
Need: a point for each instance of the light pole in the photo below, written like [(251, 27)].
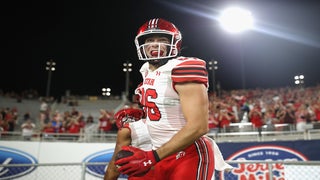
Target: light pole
[(236, 20), (50, 66), (213, 66), (127, 68)]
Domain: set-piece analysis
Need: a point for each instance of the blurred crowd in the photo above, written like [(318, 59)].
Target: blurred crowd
[(298, 107), (49, 121)]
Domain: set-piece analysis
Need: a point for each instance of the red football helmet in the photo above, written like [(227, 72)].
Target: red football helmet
[(128, 115), (160, 27)]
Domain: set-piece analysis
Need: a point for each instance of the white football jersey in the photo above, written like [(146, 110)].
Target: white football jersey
[(139, 135), (160, 100)]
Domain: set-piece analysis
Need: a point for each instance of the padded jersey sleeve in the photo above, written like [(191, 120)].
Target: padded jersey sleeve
[(190, 70)]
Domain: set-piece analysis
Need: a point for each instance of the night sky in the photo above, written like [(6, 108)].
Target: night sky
[(89, 41)]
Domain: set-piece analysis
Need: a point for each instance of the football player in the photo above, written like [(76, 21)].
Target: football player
[(175, 99)]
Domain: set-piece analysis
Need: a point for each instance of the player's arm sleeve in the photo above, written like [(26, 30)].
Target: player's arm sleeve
[(190, 70)]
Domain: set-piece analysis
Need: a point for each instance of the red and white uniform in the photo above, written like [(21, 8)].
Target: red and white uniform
[(160, 100), (164, 117)]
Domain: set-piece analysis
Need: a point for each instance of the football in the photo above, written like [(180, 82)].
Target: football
[(123, 153)]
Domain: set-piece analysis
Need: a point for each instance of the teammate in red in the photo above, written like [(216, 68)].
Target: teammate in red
[(175, 100), (131, 131)]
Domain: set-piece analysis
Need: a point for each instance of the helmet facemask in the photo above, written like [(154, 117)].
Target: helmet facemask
[(159, 28), (171, 48)]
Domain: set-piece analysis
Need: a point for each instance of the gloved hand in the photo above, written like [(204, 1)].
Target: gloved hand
[(139, 163)]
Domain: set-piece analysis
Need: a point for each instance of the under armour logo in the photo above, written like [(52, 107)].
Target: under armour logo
[(157, 73), (180, 154), (148, 162)]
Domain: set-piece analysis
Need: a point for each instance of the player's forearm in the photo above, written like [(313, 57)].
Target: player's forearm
[(111, 172), (194, 105), (184, 138)]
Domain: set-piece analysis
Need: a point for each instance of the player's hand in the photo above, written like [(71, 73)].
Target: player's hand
[(137, 164)]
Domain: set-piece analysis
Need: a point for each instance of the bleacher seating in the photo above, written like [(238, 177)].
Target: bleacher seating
[(85, 106)]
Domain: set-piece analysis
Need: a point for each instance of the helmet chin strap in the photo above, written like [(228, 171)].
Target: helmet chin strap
[(158, 62)]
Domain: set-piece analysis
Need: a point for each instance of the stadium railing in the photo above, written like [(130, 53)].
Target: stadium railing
[(247, 136)]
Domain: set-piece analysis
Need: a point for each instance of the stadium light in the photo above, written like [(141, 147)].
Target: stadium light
[(127, 68), (299, 80), (236, 20), (50, 67), (106, 91), (213, 66)]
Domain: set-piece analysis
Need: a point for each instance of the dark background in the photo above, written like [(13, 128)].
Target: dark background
[(89, 41)]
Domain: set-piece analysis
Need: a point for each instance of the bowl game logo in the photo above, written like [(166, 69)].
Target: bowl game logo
[(259, 171)]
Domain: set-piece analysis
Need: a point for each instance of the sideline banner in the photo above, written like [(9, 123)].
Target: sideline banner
[(21, 152), (301, 150), (274, 150)]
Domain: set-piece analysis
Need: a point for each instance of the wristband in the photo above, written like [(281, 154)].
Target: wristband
[(156, 156)]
